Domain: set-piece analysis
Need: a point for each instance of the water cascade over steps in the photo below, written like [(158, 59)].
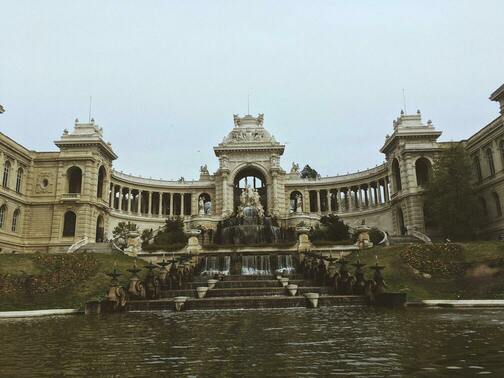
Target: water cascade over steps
[(248, 265)]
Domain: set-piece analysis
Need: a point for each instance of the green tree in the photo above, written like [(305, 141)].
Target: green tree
[(121, 231), (331, 228), (449, 198), (172, 234), (309, 172)]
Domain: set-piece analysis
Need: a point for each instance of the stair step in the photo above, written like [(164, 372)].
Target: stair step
[(250, 283), (244, 292), (269, 277), (96, 248), (246, 302)]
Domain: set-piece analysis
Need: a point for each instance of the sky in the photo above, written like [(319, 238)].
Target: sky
[(167, 76)]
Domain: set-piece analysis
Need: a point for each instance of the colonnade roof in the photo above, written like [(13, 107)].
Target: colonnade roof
[(137, 180), (349, 178)]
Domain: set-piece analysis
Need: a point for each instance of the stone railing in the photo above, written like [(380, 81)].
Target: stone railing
[(74, 247), (420, 235)]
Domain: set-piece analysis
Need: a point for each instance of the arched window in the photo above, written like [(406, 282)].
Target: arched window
[(15, 219), (101, 181), (204, 204), (19, 180), (498, 208), (74, 175), (296, 202), (501, 147), (491, 166), (423, 171), (3, 211), (100, 229), (396, 174), (477, 168), (483, 205), (5, 180), (69, 223)]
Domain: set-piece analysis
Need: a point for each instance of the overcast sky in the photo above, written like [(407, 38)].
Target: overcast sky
[(167, 76)]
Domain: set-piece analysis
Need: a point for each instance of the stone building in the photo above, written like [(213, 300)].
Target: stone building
[(51, 200)]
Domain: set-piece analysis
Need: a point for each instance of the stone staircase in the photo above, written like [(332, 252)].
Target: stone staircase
[(97, 248), (403, 239), (246, 292)]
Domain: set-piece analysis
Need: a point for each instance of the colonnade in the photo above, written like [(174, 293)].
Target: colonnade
[(344, 199), (149, 203)]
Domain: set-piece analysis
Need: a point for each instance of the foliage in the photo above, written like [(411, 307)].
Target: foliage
[(57, 272), (376, 236), (450, 202), (442, 260), (172, 235), (42, 281), (147, 235), (121, 232), (309, 172), (331, 228)]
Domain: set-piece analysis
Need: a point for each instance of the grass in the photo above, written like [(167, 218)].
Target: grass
[(476, 257), (95, 286)]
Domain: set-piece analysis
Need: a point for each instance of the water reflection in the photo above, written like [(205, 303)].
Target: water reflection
[(326, 341)]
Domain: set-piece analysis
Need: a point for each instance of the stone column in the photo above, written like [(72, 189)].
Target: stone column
[(129, 200), (386, 191), (171, 204), (318, 202), (274, 192), (139, 209), (149, 209), (111, 195), (378, 194), (359, 192), (350, 200), (181, 204), (160, 213), (329, 207), (224, 193), (369, 195), (119, 205)]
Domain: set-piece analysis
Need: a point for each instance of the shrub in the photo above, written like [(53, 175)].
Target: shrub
[(331, 228), (443, 260)]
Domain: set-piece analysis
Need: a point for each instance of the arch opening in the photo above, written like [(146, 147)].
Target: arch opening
[(69, 223), (101, 181), (254, 178), (100, 229), (296, 202), (423, 170), (74, 175), (396, 174)]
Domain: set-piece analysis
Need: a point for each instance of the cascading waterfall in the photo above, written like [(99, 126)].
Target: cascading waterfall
[(216, 265), (256, 265), (285, 264)]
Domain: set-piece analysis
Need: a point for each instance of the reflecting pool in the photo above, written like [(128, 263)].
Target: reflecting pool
[(255, 343)]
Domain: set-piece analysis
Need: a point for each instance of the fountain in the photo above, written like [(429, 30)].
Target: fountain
[(345, 279), (163, 272), (135, 288), (151, 282), (216, 265), (256, 265), (250, 225), (116, 296), (359, 287)]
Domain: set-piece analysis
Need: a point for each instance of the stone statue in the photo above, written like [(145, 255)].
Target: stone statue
[(260, 119), (295, 168), (208, 207), (250, 199), (201, 206), (299, 203), (204, 170)]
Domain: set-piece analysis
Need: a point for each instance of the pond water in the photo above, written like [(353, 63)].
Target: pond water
[(255, 343)]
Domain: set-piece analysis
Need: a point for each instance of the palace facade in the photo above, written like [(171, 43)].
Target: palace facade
[(51, 200)]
